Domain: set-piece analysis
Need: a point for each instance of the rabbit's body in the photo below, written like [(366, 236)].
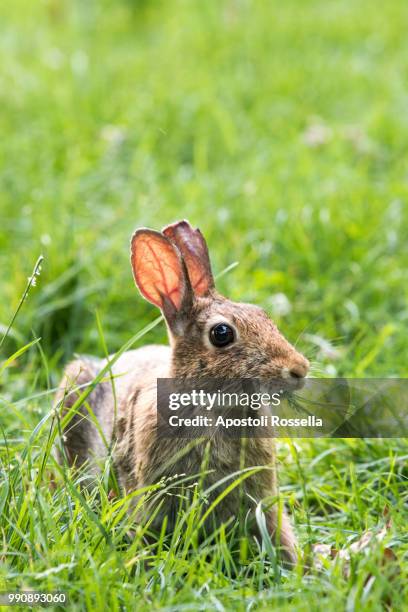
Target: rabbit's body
[(134, 372), (211, 337), (141, 458)]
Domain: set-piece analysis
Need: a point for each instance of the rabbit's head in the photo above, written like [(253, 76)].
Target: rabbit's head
[(209, 334)]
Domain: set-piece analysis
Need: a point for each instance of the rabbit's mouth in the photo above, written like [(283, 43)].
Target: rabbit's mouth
[(283, 387), (289, 383), (295, 383)]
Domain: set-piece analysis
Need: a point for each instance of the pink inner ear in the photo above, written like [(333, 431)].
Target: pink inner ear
[(193, 248), (199, 280), (157, 268)]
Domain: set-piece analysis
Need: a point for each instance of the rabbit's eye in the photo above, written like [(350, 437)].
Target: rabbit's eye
[(221, 335)]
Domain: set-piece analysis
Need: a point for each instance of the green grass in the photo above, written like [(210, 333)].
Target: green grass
[(281, 130)]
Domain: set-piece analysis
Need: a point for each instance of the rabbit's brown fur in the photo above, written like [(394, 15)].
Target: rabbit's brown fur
[(172, 270)]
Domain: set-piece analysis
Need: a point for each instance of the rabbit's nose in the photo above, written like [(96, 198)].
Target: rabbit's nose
[(299, 368)]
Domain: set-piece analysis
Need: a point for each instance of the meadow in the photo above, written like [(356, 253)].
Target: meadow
[(281, 130)]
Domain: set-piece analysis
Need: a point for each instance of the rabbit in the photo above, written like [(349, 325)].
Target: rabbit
[(209, 336)]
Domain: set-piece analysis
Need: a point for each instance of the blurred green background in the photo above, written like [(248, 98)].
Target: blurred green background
[(280, 129)]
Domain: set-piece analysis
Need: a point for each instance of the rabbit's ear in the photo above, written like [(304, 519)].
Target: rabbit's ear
[(160, 274), (193, 248)]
